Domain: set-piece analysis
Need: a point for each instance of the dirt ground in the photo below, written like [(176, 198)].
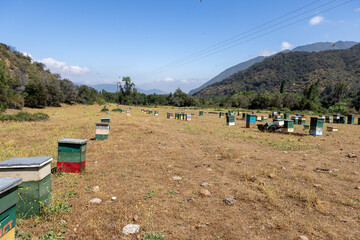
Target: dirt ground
[(279, 193)]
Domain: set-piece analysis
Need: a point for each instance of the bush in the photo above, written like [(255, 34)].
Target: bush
[(24, 116)]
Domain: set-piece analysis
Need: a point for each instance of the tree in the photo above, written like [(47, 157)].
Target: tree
[(36, 94)]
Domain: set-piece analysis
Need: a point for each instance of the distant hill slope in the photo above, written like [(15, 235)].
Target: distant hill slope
[(112, 88), (228, 72), (296, 69), (315, 47)]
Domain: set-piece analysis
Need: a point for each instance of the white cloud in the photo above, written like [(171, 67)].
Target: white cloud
[(266, 52), (165, 80), (184, 81), (286, 46), (357, 10), (63, 68), (316, 20), (27, 55)]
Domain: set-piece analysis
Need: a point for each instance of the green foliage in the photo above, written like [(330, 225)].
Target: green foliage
[(149, 194), (153, 236), (24, 116)]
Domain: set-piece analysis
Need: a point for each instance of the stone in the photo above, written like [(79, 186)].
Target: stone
[(351, 155), (135, 218), (356, 173), (205, 184), (96, 189), (357, 187), (131, 229), (113, 198), (317, 185), (190, 200), (231, 200), (271, 175), (176, 178), (205, 192), (303, 237), (95, 201)]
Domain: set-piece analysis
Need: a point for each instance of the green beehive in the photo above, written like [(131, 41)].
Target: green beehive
[(351, 119), (35, 189), (230, 120), (71, 155), (102, 131), (286, 116), (343, 119), (201, 113), (105, 120), (8, 201), (221, 115)]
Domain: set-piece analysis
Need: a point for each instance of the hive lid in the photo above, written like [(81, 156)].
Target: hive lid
[(25, 162), (73, 141), (105, 118), (102, 124), (8, 183)]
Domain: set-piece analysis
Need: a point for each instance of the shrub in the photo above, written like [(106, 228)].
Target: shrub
[(24, 116)]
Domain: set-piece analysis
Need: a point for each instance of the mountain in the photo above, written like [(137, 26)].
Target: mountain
[(112, 88), (228, 72), (315, 47), (295, 69)]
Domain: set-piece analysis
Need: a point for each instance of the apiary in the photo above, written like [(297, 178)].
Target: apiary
[(332, 129), (102, 131), (316, 126), (8, 203), (230, 120), (350, 119), (342, 120), (35, 189), (288, 126), (250, 120), (71, 155)]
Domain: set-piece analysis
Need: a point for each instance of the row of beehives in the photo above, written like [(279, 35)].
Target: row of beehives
[(179, 116), (25, 182)]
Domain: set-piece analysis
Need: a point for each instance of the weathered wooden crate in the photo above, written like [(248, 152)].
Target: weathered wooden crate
[(71, 155)]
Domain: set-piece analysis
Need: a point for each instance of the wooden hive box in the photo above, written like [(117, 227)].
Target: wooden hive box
[(105, 120), (102, 131), (332, 129), (201, 113), (71, 155), (8, 201), (35, 189)]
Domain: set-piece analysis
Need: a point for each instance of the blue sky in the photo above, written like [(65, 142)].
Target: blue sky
[(97, 41)]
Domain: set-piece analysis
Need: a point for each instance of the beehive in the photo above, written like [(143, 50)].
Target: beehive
[(156, 113), (128, 113), (336, 118), (327, 119), (244, 115), (239, 113), (201, 113), (8, 200), (359, 121), (105, 120), (342, 120), (221, 115), (279, 122), (232, 113), (122, 110), (142, 110), (273, 114), (302, 120), (71, 155), (230, 120), (35, 189), (350, 119), (188, 117), (288, 126), (102, 131), (170, 115), (332, 129), (295, 119), (250, 120), (264, 118), (286, 116), (316, 126)]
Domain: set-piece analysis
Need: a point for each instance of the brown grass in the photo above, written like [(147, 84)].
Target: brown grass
[(143, 153)]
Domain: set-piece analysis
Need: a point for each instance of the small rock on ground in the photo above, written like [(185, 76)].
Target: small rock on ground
[(205, 192), (231, 200), (95, 201), (113, 198), (205, 184), (351, 155), (131, 229), (303, 238), (96, 189), (176, 178)]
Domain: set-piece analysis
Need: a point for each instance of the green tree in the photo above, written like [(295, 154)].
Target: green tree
[(36, 94)]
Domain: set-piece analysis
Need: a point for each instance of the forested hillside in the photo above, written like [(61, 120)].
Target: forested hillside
[(292, 72), (24, 82)]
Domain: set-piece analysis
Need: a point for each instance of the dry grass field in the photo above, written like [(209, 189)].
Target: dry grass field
[(279, 192)]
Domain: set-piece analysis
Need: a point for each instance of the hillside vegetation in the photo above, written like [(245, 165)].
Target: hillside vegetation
[(293, 72)]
